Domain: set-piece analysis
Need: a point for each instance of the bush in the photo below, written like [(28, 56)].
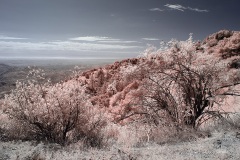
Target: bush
[(181, 87), (57, 113)]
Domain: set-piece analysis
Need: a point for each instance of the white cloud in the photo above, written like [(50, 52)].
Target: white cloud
[(92, 38), (63, 45), (97, 39), (119, 41), (150, 39), (176, 7), (197, 10), (90, 46), (10, 38), (156, 9), (182, 8)]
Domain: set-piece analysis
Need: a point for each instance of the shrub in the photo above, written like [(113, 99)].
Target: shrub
[(57, 113), (182, 86)]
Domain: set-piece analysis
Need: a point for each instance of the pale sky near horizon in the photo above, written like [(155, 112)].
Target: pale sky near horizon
[(106, 28)]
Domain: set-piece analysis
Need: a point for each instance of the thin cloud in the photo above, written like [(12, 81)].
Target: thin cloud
[(156, 9), (63, 45), (176, 7), (10, 38), (91, 46), (97, 39), (150, 39), (197, 10), (119, 41), (183, 8), (92, 38)]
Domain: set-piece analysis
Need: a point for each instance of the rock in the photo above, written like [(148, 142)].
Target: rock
[(238, 135), (223, 34), (217, 144)]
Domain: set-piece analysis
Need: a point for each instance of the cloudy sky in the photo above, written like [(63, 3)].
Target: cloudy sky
[(106, 28)]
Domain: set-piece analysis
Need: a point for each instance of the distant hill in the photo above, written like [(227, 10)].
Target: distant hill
[(3, 70)]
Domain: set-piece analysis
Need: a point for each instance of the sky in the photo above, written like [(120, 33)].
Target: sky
[(106, 28)]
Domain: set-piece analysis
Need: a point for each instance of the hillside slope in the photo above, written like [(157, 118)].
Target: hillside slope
[(115, 86)]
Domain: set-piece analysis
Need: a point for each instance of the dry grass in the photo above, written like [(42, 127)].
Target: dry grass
[(137, 141), (219, 146)]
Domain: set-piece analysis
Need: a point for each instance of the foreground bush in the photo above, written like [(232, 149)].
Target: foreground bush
[(57, 113)]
